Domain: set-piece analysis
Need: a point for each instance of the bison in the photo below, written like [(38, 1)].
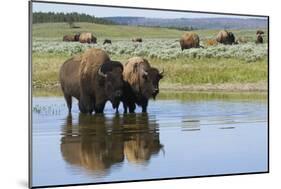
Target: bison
[(107, 41), (87, 37), (225, 37), (92, 79), (141, 83), (137, 39), (259, 39), (68, 38), (259, 32), (71, 37), (189, 40)]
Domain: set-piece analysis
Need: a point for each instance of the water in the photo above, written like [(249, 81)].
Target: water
[(192, 136)]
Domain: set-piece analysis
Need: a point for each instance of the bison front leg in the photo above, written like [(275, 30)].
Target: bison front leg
[(86, 104), (144, 106), (68, 100), (99, 108)]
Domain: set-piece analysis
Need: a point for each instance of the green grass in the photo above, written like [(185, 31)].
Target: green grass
[(218, 65), (56, 31), (183, 71)]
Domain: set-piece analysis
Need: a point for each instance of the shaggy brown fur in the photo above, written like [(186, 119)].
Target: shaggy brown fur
[(225, 37), (80, 78), (259, 32), (189, 40), (141, 83), (87, 37), (259, 39), (68, 38)]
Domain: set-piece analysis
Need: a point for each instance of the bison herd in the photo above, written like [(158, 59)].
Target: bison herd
[(93, 79), (191, 40)]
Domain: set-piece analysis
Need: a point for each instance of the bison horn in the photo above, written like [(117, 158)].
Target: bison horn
[(101, 74), (162, 72), (145, 72)]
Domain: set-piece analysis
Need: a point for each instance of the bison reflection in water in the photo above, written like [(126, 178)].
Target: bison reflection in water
[(97, 142)]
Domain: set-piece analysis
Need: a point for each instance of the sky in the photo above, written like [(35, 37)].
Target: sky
[(110, 11)]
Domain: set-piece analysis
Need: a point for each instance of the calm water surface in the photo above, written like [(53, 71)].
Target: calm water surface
[(192, 136)]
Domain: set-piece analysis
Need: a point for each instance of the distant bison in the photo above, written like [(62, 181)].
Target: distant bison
[(87, 37), (107, 41), (259, 39), (259, 32), (92, 79), (225, 37), (138, 39), (141, 83), (69, 38), (189, 40), (76, 37)]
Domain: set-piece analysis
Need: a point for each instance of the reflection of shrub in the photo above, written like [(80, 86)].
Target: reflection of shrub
[(158, 48)]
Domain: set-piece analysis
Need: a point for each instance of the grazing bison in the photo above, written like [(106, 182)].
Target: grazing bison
[(87, 37), (259, 39), (107, 41), (141, 83), (225, 37), (69, 38), (76, 37), (138, 39), (189, 40), (259, 32), (92, 79)]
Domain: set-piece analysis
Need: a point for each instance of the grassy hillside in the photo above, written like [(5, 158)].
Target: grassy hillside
[(56, 31), (221, 67)]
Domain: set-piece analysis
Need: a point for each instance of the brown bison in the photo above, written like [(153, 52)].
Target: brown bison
[(87, 37), (259, 32), (141, 83), (107, 41), (92, 79), (225, 37), (71, 37), (68, 38), (137, 39), (259, 39), (76, 37), (189, 40)]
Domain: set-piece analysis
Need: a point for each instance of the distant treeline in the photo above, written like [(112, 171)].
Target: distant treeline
[(43, 17)]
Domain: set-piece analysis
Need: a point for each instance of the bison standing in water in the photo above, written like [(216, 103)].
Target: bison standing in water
[(92, 79), (225, 37), (141, 83), (189, 40), (87, 37)]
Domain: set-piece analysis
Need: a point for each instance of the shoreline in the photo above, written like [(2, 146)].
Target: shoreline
[(166, 87)]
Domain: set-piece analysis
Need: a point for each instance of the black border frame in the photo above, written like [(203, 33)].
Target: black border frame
[(139, 180)]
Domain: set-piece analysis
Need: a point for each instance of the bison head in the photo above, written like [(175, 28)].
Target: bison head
[(112, 71), (149, 82), (231, 37)]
